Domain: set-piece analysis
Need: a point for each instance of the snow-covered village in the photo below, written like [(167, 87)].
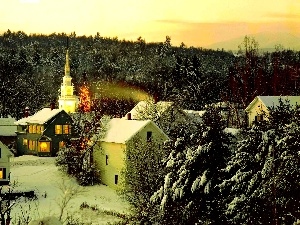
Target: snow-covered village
[(149, 121)]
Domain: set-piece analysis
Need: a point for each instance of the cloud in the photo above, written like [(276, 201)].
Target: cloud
[(283, 16)]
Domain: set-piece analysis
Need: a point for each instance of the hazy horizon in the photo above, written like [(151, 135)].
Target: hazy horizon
[(195, 23)]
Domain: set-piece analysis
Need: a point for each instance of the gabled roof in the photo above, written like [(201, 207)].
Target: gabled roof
[(5, 150), (40, 117), (273, 101), (120, 130), (7, 126), (150, 107)]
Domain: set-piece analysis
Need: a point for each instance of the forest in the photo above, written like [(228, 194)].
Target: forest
[(32, 67), (254, 175)]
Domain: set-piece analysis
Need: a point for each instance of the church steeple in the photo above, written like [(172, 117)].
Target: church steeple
[(67, 65), (67, 100)]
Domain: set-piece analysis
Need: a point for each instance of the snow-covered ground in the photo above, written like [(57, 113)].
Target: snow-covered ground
[(41, 175)]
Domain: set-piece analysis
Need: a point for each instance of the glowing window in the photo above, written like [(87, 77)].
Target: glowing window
[(30, 129), (34, 129), (44, 146), (58, 129), (31, 145), (25, 141), (38, 129), (61, 144), (1, 173), (67, 129)]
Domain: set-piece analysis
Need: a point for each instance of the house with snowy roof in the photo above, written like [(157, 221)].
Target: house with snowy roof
[(44, 132), (5, 155), (110, 152), (165, 114), (259, 108), (8, 130)]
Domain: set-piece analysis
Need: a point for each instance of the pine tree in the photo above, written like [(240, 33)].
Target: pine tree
[(191, 192), (265, 172)]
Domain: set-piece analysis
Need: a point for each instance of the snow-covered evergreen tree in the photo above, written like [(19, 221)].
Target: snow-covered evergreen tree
[(191, 192), (265, 172)]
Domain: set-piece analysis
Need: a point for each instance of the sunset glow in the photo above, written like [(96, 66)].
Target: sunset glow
[(193, 22)]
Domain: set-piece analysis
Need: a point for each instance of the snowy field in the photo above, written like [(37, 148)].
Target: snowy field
[(41, 175)]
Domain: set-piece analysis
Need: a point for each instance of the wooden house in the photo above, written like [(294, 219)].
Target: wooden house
[(110, 152), (8, 131), (5, 155), (259, 108), (166, 115), (43, 133)]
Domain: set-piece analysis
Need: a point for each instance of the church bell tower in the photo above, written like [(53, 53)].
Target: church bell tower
[(67, 100)]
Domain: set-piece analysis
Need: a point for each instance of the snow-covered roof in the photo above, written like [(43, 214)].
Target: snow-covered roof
[(145, 106), (40, 117), (120, 130), (271, 101), (195, 112), (7, 126)]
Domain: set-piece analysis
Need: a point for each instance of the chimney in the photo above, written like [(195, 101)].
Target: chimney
[(26, 113), (52, 105), (128, 116)]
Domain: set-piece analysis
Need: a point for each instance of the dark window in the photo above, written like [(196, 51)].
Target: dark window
[(106, 159), (0, 152), (259, 118), (149, 136), (116, 179)]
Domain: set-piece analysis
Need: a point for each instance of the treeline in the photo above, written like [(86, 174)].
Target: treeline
[(254, 74), (32, 66)]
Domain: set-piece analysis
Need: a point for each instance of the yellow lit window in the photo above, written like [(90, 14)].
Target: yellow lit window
[(61, 144), (25, 142), (44, 146), (34, 129), (30, 129), (1, 173), (42, 129), (38, 129), (67, 129), (31, 145), (58, 129)]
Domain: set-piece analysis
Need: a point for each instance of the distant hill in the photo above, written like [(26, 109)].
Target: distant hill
[(266, 40)]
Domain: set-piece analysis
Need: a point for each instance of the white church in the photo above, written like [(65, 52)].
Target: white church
[(67, 100)]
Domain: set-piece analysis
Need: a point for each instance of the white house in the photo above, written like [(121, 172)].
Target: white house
[(110, 152), (8, 130), (167, 115), (259, 108), (5, 155)]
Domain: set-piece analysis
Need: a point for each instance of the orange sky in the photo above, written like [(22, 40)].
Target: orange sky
[(194, 22)]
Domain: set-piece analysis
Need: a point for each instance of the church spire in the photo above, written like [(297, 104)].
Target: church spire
[(67, 65)]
